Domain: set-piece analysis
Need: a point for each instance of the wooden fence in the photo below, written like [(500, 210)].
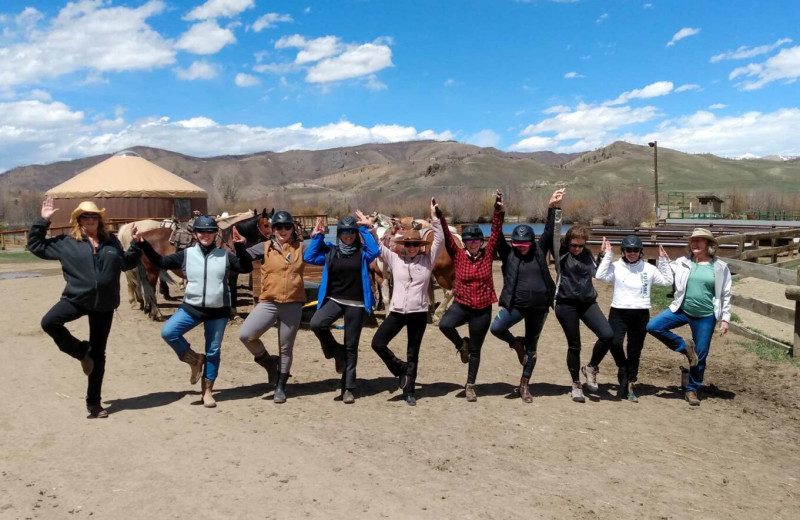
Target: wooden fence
[(745, 263)]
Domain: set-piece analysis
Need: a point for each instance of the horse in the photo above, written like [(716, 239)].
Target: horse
[(142, 281), (255, 228), (442, 273)]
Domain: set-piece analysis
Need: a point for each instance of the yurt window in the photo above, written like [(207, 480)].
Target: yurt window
[(182, 208)]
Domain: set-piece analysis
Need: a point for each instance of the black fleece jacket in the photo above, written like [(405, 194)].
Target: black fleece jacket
[(92, 278)]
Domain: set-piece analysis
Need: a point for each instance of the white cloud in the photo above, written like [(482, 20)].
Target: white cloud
[(246, 80), (683, 33), (535, 144), (219, 9), (746, 52), (659, 88), (558, 109), (270, 20), (354, 62), (602, 18), (449, 82), (688, 86), (311, 50), (717, 106), (205, 38), (36, 115), (86, 36), (40, 95), (307, 10), (485, 138), (573, 75), (27, 20), (373, 83), (783, 66), (198, 70), (647, 6)]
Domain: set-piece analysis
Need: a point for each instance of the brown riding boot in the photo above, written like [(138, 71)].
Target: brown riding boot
[(691, 398), (196, 361), (208, 399), (518, 346), (524, 391)]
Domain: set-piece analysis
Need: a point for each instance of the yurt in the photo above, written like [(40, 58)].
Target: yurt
[(129, 187)]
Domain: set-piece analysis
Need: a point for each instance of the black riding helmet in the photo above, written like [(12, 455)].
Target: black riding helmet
[(347, 223), (282, 217), (472, 233), (205, 223), (631, 242), (523, 233)]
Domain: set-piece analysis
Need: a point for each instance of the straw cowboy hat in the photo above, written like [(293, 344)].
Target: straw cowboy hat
[(411, 235), (704, 233), (86, 206)]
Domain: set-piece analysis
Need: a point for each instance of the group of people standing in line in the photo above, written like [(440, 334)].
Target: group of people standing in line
[(92, 260)]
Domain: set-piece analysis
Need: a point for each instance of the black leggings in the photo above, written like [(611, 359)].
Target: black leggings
[(479, 321), (569, 315), (99, 327), (415, 324), (353, 323), (632, 322)]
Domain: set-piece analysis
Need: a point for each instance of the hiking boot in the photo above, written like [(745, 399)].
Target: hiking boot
[(96, 411), (464, 350), (410, 399), (196, 362), (87, 363), (590, 374), (270, 364), (524, 391), (631, 393), (577, 392), (691, 398), (518, 346), (691, 353), (208, 399), (469, 390), (348, 397)]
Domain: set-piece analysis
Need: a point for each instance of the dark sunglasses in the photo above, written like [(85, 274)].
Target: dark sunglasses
[(578, 246), (282, 226), (347, 232), (412, 244), (93, 216), (205, 231), (631, 250), (473, 240)]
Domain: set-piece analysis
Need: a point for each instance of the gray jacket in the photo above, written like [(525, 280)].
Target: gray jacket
[(682, 267)]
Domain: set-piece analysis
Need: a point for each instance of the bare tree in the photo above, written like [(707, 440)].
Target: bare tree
[(228, 186), (604, 197), (578, 210), (632, 207)]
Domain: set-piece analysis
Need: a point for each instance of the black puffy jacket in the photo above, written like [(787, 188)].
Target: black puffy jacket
[(92, 279)]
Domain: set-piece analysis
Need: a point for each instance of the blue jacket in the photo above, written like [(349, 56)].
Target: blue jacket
[(320, 252)]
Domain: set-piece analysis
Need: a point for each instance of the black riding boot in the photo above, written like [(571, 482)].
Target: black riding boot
[(622, 377), (280, 390)]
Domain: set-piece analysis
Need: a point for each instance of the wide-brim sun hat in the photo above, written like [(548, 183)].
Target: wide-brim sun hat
[(87, 206), (704, 233), (411, 235)]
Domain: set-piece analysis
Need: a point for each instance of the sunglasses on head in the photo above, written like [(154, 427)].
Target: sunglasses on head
[(284, 227), (412, 244), (631, 250), (93, 216), (578, 246), (347, 232)]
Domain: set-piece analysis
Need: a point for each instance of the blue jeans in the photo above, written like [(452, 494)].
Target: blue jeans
[(702, 330), (182, 322)]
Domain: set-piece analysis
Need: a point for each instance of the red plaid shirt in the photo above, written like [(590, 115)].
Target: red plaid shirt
[(474, 286)]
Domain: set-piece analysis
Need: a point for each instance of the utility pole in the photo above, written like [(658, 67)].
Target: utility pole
[(654, 146)]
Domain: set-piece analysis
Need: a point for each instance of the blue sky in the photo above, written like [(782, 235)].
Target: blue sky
[(219, 77)]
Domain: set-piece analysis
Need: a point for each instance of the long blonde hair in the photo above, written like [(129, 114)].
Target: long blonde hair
[(77, 233)]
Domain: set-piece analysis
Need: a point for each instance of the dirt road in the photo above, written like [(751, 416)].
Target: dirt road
[(161, 455)]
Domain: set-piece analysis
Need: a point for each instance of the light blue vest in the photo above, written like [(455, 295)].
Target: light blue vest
[(206, 278)]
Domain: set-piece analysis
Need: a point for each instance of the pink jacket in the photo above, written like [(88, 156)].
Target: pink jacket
[(412, 276)]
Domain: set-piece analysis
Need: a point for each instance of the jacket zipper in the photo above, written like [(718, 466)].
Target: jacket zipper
[(205, 278)]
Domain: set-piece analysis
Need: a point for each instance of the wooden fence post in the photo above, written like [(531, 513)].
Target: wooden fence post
[(796, 343)]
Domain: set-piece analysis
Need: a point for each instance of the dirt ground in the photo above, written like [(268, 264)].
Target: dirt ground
[(161, 455)]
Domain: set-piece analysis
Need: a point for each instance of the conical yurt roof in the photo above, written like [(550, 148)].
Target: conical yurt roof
[(127, 174)]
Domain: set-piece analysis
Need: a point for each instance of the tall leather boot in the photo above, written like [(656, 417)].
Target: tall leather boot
[(280, 389), (196, 362), (270, 364), (622, 377), (524, 391), (208, 399)]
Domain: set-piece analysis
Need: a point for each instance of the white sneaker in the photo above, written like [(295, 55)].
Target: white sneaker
[(590, 374), (577, 392)]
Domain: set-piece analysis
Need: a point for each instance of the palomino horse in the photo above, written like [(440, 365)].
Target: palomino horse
[(443, 272), (143, 280), (255, 228)]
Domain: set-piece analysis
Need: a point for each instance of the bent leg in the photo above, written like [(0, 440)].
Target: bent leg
[(173, 330), (53, 324), (263, 316)]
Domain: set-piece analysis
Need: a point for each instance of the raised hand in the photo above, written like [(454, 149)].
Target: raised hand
[(47, 208), (319, 227), (436, 213), (135, 236), (662, 252), (557, 197), (363, 220), (607, 248), (237, 238), (498, 201)]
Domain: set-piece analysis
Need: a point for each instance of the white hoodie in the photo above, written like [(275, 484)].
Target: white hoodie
[(632, 282)]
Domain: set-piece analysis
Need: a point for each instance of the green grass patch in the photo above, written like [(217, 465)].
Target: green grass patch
[(735, 318), (18, 257), (659, 298), (768, 352)]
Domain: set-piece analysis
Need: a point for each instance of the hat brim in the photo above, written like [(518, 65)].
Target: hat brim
[(73, 219)]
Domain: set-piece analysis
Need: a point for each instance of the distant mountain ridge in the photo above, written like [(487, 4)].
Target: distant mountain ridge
[(409, 169)]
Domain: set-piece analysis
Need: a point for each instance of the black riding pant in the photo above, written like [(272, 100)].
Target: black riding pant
[(353, 322), (632, 322), (478, 321), (570, 314), (415, 323)]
